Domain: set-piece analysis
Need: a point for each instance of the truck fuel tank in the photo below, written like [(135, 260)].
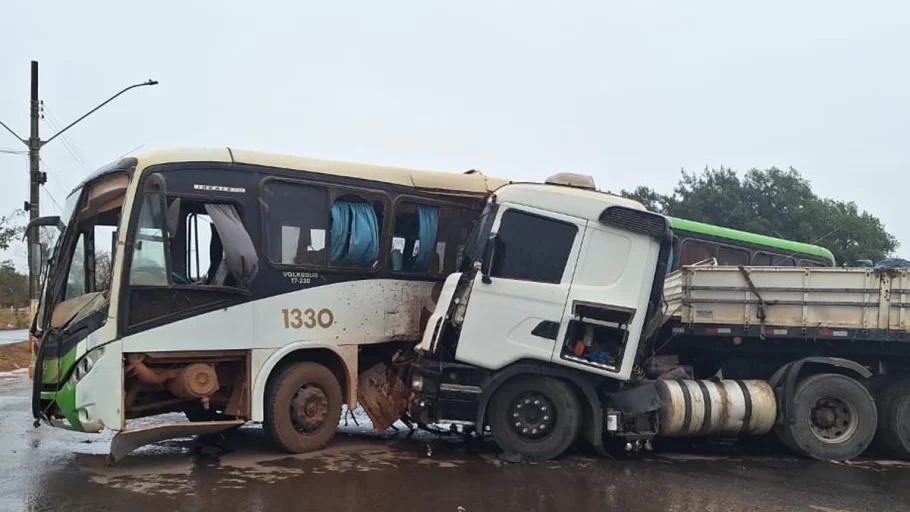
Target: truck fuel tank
[(720, 408)]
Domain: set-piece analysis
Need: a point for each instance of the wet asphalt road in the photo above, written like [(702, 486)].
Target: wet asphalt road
[(48, 469)]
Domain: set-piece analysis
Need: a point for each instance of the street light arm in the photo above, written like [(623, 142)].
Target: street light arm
[(92, 111), (14, 133)]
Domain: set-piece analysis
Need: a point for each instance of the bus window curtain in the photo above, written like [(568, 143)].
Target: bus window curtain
[(355, 234), (670, 260), (341, 219), (427, 233)]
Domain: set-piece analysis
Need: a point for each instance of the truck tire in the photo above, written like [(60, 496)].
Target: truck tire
[(536, 417), (893, 401), (303, 407), (834, 418)]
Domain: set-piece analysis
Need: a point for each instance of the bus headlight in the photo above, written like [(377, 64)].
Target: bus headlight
[(85, 365)]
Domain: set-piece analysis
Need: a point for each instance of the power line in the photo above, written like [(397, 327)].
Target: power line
[(67, 142), (53, 200)]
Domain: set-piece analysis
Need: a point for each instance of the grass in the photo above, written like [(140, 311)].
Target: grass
[(12, 320), (14, 357)]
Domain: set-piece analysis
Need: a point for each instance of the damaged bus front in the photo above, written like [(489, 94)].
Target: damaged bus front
[(73, 307)]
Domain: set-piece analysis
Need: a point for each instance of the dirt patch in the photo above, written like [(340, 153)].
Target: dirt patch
[(14, 357), (19, 319)]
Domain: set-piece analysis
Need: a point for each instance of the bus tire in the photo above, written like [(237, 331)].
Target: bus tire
[(893, 402), (303, 407), (536, 417), (833, 418)]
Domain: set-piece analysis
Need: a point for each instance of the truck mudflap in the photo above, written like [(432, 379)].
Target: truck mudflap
[(382, 393), (126, 441)]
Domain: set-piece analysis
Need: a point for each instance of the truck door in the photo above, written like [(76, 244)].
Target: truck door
[(517, 314)]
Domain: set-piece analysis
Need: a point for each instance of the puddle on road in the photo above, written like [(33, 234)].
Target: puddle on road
[(172, 467)]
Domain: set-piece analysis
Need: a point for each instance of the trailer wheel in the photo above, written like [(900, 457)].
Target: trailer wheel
[(303, 407), (537, 417), (834, 418), (893, 402)]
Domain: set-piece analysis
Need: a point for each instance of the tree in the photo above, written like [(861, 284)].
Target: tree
[(773, 202), (13, 290), (103, 270), (10, 227)]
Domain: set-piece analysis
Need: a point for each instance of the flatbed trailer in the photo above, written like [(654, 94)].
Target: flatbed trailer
[(857, 304), (784, 325)]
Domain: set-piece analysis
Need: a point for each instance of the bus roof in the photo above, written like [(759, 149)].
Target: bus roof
[(752, 238), (467, 182)]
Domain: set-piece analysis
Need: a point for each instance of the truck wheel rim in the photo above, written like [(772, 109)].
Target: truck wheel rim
[(833, 420), (309, 409), (532, 415)]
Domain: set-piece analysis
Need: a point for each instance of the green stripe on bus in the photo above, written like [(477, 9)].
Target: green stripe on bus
[(787, 246)]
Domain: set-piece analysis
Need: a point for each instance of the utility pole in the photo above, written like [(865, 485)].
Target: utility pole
[(36, 178)]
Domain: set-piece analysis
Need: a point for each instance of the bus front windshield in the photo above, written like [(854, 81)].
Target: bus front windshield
[(50, 247), (82, 255)]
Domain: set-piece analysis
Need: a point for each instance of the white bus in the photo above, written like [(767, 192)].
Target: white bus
[(243, 287)]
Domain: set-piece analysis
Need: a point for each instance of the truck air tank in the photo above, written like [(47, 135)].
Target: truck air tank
[(716, 408)]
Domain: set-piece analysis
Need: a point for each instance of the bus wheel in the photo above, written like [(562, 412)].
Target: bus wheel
[(834, 418), (536, 417), (303, 407), (894, 418)]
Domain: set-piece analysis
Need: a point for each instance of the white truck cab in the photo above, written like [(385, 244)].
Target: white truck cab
[(558, 284)]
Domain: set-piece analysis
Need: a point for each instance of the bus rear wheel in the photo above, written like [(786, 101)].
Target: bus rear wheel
[(834, 418), (303, 407), (893, 402), (536, 417)]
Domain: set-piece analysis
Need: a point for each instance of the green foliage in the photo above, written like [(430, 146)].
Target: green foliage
[(13, 287), (11, 226), (773, 202)]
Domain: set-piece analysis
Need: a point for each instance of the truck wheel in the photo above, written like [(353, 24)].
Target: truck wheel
[(303, 407), (537, 417), (834, 418), (893, 402)]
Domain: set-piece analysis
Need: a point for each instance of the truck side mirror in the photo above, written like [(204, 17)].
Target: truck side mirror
[(489, 255)]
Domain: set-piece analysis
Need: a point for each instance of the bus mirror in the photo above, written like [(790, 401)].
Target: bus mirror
[(34, 260), (489, 255)]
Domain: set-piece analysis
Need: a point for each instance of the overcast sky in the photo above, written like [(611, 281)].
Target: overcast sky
[(629, 92)]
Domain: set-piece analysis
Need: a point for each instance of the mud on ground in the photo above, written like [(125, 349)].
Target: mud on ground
[(14, 357)]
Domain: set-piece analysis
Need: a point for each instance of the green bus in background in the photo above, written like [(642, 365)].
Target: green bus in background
[(694, 242)]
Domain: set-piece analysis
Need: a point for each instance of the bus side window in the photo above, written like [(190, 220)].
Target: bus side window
[(783, 261), (732, 256), (149, 262), (695, 252), (761, 259), (296, 223), (415, 245), (215, 248), (764, 259), (354, 232)]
